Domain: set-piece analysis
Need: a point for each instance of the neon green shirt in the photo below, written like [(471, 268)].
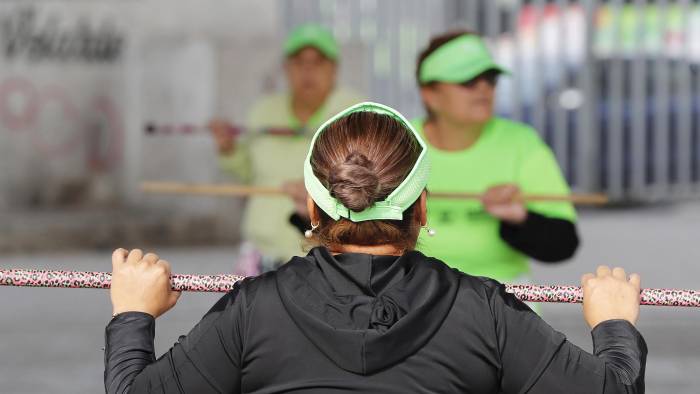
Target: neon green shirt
[(467, 237), (270, 160)]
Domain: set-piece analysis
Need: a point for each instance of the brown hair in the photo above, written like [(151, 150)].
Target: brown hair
[(435, 43), (361, 158)]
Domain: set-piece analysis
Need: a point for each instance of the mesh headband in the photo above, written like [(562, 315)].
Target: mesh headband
[(393, 206)]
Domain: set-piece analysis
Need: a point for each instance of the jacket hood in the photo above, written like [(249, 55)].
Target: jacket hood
[(367, 312)]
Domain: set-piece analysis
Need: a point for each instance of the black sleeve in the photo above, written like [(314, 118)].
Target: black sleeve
[(535, 358), (207, 360), (301, 223), (542, 238), (128, 349)]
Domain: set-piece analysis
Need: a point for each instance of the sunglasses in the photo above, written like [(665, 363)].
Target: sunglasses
[(490, 76)]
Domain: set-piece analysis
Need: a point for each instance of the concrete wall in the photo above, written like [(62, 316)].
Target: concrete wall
[(61, 98), (80, 80), (77, 79)]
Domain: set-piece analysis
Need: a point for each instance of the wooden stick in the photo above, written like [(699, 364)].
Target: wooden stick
[(243, 190), (580, 199), (209, 190)]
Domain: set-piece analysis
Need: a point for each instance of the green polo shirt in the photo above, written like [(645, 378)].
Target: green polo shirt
[(467, 236), (265, 159)]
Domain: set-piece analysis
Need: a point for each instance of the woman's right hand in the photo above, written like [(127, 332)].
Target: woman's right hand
[(141, 283), (609, 294), (222, 131)]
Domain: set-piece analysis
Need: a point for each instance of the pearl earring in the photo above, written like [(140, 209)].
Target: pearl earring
[(310, 232), (430, 231)]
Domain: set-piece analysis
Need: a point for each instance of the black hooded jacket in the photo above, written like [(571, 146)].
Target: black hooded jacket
[(371, 324)]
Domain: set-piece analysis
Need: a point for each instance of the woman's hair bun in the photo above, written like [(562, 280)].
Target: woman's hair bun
[(354, 183)]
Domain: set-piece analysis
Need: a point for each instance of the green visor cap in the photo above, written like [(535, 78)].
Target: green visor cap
[(397, 202), (458, 60), (311, 35)]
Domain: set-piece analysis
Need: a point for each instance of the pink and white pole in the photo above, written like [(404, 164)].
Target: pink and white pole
[(225, 282)]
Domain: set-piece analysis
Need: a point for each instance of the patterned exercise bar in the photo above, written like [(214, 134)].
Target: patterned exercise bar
[(225, 282)]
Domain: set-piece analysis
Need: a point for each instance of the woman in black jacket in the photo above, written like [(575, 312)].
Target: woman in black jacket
[(364, 311)]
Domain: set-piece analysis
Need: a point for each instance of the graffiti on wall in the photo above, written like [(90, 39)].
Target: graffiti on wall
[(45, 95), (95, 126), (26, 36)]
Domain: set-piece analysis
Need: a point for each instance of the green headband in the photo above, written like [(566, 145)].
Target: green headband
[(397, 202), (458, 60), (311, 35)]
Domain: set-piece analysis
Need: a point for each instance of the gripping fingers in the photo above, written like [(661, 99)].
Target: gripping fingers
[(510, 193), (119, 256), (603, 270), (487, 198), (585, 278), (134, 256), (636, 280), (619, 273), (150, 258), (164, 265)]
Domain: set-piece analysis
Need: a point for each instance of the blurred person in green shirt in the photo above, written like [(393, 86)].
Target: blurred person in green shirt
[(472, 150), (271, 153)]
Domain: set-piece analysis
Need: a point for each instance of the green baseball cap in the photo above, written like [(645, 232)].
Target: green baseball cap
[(458, 60), (311, 35), (393, 206)]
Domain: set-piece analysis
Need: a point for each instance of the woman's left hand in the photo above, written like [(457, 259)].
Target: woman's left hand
[(141, 283), (502, 202)]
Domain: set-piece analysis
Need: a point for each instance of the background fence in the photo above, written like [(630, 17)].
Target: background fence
[(612, 86)]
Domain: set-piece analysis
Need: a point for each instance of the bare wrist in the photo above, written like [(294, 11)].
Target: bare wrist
[(517, 220)]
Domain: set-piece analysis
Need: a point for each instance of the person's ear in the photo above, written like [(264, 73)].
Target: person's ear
[(313, 210)]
